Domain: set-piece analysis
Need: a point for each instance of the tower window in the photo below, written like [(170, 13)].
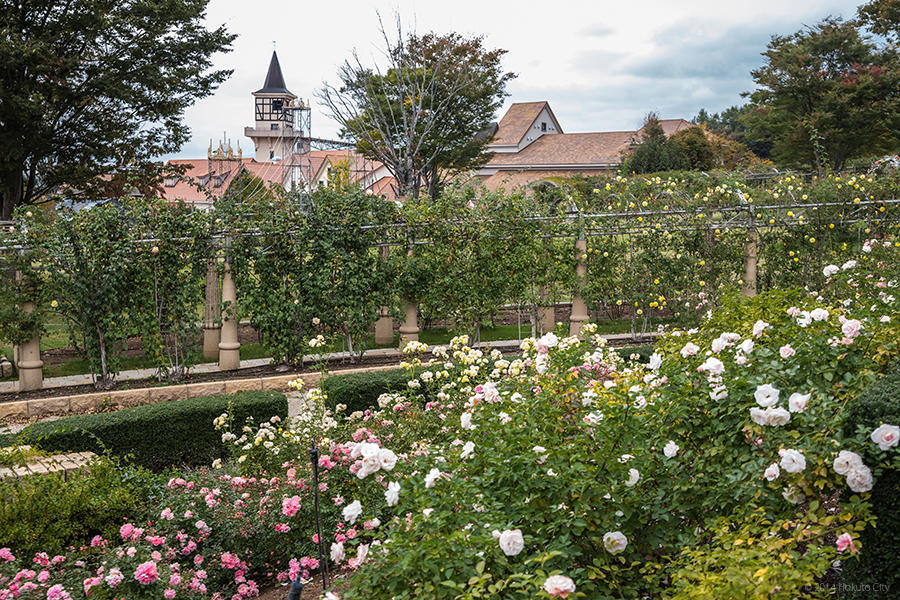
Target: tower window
[(271, 154), (274, 126), (277, 104), (543, 126)]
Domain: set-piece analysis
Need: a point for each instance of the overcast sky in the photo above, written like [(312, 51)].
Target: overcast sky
[(602, 65)]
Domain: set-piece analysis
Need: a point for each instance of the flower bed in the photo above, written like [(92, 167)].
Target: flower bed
[(723, 468)]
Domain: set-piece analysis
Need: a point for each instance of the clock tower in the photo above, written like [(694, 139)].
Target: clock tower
[(274, 135)]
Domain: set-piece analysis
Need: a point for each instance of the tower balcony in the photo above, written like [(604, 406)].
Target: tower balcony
[(281, 132)]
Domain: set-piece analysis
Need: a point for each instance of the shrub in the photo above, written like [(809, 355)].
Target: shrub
[(880, 553), (360, 391), (48, 513), (158, 435)]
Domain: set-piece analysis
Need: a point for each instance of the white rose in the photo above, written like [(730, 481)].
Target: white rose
[(848, 265), (719, 392), (614, 542), (759, 327), (846, 461), (793, 495), (747, 346), (392, 493), (655, 361), (713, 366), (433, 474), (759, 416), (777, 416), (718, 345), (819, 314), (549, 340), (859, 479), (886, 436), (387, 459), (804, 319), (511, 542), (671, 449), (792, 461), (772, 472), (797, 402), (352, 511), (337, 552), (830, 270), (690, 349), (468, 450), (766, 395), (633, 476), (465, 420)]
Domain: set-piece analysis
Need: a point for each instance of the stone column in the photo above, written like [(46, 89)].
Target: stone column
[(211, 314), (384, 326), (229, 346), (750, 261), (546, 314), (579, 308), (28, 359), (409, 329)]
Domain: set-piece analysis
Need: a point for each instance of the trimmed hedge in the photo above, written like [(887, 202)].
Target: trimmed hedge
[(360, 391), (160, 435), (49, 513), (880, 555)]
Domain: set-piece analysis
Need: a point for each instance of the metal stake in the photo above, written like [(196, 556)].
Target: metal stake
[(323, 560)]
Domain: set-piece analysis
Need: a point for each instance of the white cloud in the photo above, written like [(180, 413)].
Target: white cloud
[(602, 65)]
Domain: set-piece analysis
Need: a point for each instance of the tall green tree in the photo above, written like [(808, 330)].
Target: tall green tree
[(827, 94), (93, 88), (422, 113), (655, 152), (695, 147)]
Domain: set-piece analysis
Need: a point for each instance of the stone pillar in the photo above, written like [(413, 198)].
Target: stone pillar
[(546, 314), (28, 359), (211, 314), (579, 308), (409, 329), (384, 326), (229, 346), (750, 261)]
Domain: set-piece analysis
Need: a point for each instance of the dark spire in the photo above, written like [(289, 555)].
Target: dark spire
[(274, 79)]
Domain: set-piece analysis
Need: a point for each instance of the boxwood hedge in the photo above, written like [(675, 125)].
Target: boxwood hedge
[(880, 555), (160, 435)]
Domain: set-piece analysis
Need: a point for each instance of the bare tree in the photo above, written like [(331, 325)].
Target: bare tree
[(394, 111)]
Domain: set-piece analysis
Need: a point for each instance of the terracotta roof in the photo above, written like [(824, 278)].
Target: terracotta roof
[(670, 126), (569, 149), (511, 180), (197, 173), (516, 122)]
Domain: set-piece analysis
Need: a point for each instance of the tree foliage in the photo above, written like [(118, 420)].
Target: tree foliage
[(97, 88), (827, 94), (696, 147), (421, 114), (655, 152)]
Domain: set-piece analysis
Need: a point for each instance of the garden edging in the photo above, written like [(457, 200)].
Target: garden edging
[(79, 403)]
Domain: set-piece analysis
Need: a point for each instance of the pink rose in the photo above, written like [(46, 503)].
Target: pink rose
[(786, 351), (851, 328), (844, 541), (6, 555), (146, 573), (290, 506)]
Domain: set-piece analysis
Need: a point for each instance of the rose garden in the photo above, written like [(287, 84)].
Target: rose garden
[(752, 453)]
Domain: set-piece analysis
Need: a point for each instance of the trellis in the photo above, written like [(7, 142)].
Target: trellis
[(221, 340)]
